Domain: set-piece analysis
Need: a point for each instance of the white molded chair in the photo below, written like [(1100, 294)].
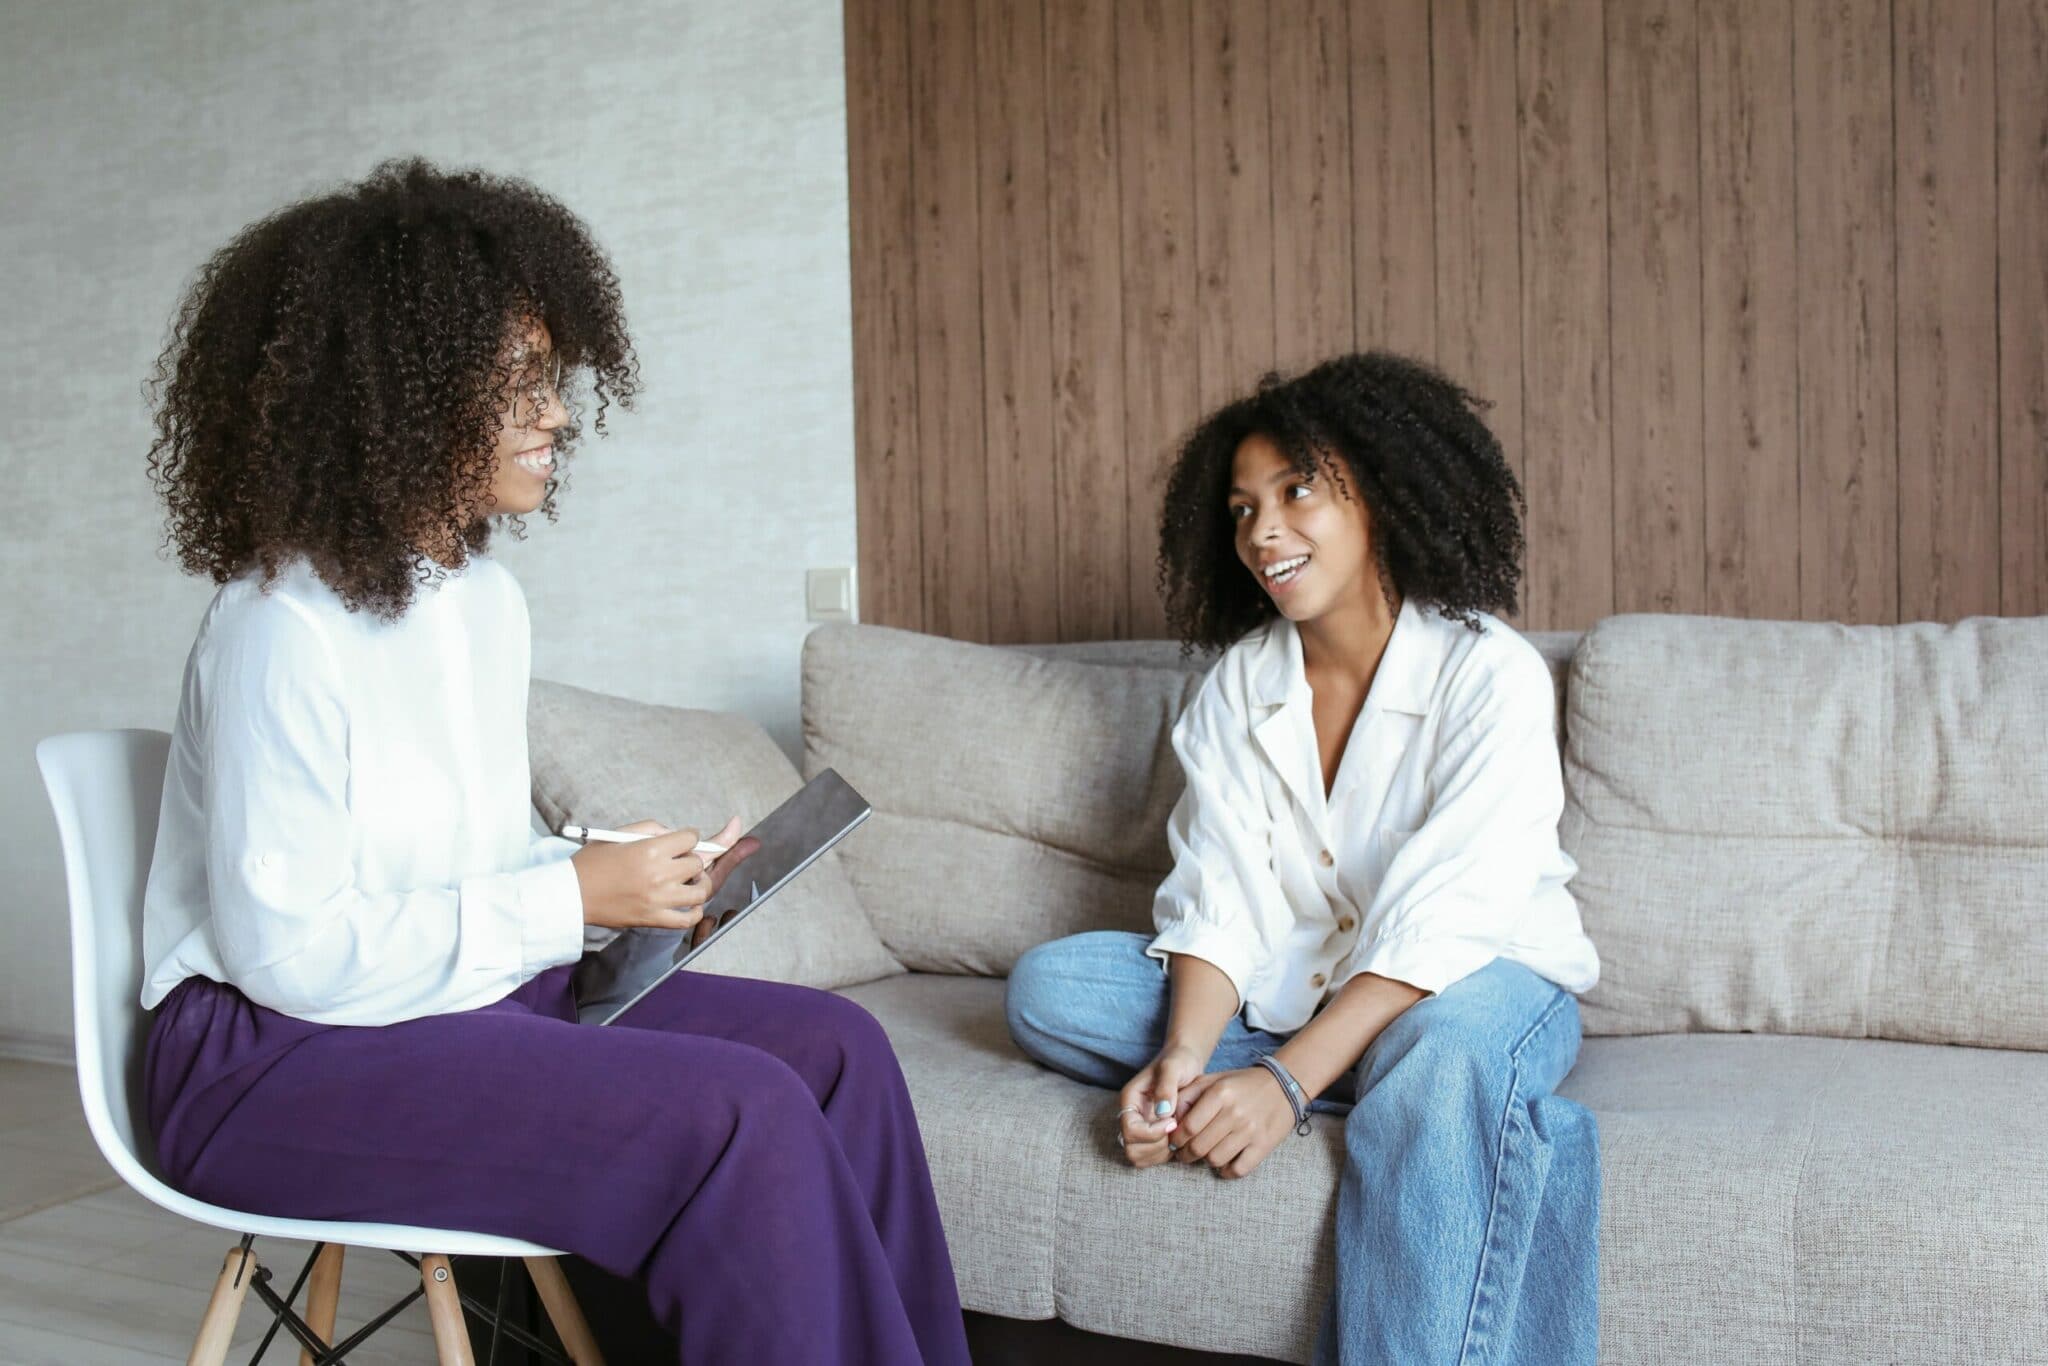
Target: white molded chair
[(107, 788)]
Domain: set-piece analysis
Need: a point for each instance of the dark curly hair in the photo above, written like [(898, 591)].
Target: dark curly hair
[(1443, 508), (336, 375)]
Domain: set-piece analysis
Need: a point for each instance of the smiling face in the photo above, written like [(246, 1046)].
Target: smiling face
[(1306, 543), (534, 410)]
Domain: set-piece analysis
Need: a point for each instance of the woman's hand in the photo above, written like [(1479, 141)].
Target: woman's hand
[(1232, 1120), (655, 882), (1145, 1136)]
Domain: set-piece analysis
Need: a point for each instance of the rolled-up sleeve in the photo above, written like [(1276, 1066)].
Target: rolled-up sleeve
[(294, 929), (1208, 907), (1452, 894)]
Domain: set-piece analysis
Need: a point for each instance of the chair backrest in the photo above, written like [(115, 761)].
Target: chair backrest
[(106, 788)]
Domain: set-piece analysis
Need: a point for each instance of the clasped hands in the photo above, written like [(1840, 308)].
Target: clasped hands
[(1229, 1120)]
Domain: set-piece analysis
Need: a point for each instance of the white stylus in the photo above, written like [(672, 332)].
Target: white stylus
[(586, 834)]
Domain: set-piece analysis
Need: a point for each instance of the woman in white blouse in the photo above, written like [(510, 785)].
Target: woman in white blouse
[(1367, 913), (358, 954)]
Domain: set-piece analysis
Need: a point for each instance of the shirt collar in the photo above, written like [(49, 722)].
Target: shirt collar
[(1404, 682)]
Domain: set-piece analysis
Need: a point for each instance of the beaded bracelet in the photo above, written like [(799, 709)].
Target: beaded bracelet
[(1297, 1099)]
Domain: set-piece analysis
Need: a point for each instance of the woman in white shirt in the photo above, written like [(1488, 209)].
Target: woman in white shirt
[(358, 953), (1368, 900)]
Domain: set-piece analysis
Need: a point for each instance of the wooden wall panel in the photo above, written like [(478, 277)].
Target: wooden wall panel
[(1755, 289), (1393, 175), (1478, 208), (1016, 321), (1309, 45), (2023, 305), (1568, 463), (1233, 198), (1653, 149), (952, 470), (1945, 101), (1749, 310), (1162, 391), (1087, 321), (884, 270), (1848, 435)]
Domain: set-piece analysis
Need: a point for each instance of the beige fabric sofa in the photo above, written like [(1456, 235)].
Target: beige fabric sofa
[(1815, 860)]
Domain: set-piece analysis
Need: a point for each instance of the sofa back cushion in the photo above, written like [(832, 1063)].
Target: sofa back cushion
[(1017, 798), (1020, 793), (1813, 828), (605, 761)]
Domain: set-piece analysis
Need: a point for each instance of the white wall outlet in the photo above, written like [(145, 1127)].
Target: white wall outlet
[(828, 594)]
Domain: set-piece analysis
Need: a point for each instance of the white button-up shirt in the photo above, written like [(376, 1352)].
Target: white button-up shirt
[(345, 833), (1434, 852)]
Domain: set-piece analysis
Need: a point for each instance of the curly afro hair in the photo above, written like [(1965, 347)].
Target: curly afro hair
[(1443, 508), (336, 377)]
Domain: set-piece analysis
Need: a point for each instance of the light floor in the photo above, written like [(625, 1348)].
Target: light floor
[(91, 1274)]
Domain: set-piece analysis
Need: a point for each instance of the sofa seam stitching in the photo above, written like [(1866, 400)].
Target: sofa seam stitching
[(1076, 1127), (1887, 816), (1879, 837), (1799, 1194)]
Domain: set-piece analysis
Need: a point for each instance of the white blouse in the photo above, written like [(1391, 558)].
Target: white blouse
[(345, 833), (1434, 853)]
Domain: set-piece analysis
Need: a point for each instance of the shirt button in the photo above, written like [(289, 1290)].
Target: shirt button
[(1346, 924), (1317, 981), (1326, 859)]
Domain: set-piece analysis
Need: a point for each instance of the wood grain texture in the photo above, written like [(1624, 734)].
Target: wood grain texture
[(884, 279), (1756, 289), (1016, 321), (1565, 421), (1848, 432), (1162, 381), (1087, 320), (953, 478), (1478, 215), (1749, 293), (2023, 305), (1945, 99), (1653, 143), (1308, 42), (1393, 178), (1233, 198)]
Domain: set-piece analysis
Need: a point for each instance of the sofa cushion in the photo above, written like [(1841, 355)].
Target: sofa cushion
[(1017, 798), (997, 1128), (1807, 828), (1020, 793), (1763, 1199), (600, 760)]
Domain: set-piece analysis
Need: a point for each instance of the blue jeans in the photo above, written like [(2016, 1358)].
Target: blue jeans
[(1468, 1215)]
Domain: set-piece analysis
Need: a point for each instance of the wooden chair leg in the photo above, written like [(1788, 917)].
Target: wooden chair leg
[(217, 1329), (444, 1310), (563, 1311), (323, 1291)]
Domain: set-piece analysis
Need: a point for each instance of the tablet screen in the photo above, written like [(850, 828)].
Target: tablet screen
[(789, 839)]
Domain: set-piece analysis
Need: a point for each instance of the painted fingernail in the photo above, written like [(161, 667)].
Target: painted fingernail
[(1162, 1108)]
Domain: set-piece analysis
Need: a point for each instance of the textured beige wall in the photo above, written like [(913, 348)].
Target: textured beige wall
[(705, 144)]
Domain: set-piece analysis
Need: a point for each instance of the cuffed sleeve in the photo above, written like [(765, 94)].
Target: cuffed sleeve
[(560, 849), (1209, 906), (1454, 892)]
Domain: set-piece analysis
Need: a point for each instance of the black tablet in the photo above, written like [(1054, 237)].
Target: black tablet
[(790, 839)]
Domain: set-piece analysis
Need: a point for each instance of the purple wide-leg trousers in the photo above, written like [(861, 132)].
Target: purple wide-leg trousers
[(747, 1149)]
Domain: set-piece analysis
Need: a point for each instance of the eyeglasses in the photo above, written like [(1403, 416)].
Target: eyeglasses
[(534, 382)]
